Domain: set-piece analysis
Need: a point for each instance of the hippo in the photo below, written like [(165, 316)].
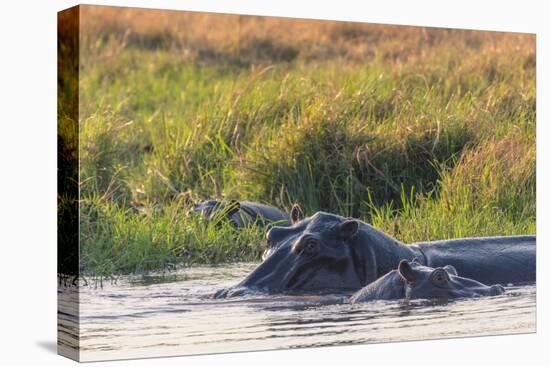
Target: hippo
[(413, 280), (242, 213), (330, 253)]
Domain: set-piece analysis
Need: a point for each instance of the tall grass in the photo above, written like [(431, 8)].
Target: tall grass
[(426, 133)]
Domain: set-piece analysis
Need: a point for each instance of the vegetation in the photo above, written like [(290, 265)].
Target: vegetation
[(425, 133)]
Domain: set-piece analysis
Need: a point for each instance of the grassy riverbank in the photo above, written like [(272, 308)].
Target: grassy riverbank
[(424, 133)]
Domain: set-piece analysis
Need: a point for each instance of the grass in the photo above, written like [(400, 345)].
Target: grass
[(425, 133), (116, 240)]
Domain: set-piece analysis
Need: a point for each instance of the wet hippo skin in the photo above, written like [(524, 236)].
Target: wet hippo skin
[(413, 280), (242, 213), (329, 253)]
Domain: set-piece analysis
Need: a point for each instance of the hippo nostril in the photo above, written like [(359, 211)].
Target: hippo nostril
[(439, 277)]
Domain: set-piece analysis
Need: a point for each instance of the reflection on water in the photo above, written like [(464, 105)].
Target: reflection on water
[(176, 315)]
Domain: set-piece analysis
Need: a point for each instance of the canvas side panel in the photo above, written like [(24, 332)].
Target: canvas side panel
[(67, 182)]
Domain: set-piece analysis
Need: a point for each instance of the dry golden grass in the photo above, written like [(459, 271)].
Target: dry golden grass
[(255, 39)]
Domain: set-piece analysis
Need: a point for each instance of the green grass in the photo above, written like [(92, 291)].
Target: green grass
[(425, 143), (116, 240)]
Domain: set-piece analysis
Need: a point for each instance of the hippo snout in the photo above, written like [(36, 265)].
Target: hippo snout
[(497, 290)]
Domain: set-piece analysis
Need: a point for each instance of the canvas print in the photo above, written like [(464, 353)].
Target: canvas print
[(232, 183)]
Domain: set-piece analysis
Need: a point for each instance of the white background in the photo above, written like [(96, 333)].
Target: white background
[(28, 182)]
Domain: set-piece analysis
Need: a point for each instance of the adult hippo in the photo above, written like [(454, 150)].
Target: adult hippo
[(242, 213), (413, 280), (330, 253)]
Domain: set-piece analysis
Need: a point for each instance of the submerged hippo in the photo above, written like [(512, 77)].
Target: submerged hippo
[(242, 213), (414, 280), (328, 253)]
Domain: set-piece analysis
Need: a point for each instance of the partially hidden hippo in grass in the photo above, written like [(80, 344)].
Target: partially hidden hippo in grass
[(242, 213), (413, 280), (327, 253)]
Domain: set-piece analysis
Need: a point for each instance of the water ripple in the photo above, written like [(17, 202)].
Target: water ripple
[(176, 315)]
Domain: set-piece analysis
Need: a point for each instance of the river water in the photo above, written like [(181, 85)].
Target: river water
[(174, 314)]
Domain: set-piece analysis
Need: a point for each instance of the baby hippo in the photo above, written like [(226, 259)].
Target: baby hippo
[(413, 280)]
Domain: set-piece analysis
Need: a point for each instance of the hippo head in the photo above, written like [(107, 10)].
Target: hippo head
[(216, 211), (441, 283), (296, 215), (317, 254)]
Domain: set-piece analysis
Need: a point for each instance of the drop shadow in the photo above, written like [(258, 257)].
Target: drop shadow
[(48, 345)]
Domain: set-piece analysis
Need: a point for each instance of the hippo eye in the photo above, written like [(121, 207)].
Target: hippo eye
[(439, 277), (311, 247)]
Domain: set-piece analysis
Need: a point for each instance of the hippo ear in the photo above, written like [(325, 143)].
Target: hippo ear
[(450, 269), (296, 213), (348, 228), (232, 208), (406, 271)]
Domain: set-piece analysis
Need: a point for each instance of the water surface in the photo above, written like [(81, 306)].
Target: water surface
[(174, 314)]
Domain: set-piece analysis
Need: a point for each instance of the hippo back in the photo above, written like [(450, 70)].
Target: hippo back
[(261, 212), (506, 259), (242, 214)]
